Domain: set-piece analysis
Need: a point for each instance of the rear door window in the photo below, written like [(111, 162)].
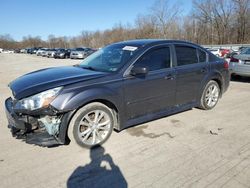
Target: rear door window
[(186, 55)]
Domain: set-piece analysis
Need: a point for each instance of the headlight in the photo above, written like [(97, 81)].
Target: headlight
[(39, 100)]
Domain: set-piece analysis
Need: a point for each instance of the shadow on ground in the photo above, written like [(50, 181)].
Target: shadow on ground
[(100, 172), (240, 79)]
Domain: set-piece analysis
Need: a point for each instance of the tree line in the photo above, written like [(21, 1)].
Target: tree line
[(209, 22)]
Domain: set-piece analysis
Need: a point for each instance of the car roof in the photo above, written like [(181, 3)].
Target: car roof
[(144, 42)]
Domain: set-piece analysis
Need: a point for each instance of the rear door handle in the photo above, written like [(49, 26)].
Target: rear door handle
[(203, 70), (169, 77)]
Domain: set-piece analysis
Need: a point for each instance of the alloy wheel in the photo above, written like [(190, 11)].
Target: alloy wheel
[(94, 127), (212, 95)]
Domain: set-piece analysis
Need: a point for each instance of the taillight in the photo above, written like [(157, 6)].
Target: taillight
[(226, 65), (232, 59)]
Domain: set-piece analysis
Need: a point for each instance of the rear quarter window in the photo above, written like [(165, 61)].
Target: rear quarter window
[(213, 57), (202, 56)]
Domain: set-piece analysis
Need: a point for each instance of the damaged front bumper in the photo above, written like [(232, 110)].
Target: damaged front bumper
[(45, 128)]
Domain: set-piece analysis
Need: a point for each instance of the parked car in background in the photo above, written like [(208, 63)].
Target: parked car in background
[(51, 52), (40, 51), (33, 50), (230, 55), (89, 51), (119, 86), (240, 63), (24, 50), (62, 53), (223, 52), (1, 50), (242, 48), (214, 51), (28, 51), (8, 51), (45, 52), (77, 53), (17, 50)]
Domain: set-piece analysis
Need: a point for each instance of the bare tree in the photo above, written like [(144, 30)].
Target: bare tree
[(242, 12), (166, 16), (210, 22)]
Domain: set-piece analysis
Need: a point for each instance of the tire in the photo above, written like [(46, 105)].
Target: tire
[(210, 95), (92, 125)]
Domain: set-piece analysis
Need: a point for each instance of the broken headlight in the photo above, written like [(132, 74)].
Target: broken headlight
[(39, 100)]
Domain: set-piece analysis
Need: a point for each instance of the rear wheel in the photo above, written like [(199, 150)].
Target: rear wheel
[(92, 125), (210, 95)]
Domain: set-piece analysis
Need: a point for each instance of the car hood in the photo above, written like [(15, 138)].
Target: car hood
[(41, 80)]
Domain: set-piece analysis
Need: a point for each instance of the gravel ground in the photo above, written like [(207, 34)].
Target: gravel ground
[(191, 149)]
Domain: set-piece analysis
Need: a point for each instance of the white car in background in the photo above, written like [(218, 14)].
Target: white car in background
[(51, 52), (215, 51), (8, 51), (1, 50), (77, 53), (41, 51), (240, 63), (23, 51)]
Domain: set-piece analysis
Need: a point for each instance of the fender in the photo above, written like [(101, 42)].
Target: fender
[(215, 75), (72, 101)]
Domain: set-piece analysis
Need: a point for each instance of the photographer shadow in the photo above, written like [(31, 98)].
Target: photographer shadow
[(100, 172)]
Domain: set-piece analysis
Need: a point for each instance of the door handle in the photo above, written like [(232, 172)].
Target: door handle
[(203, 70), (169, 77)]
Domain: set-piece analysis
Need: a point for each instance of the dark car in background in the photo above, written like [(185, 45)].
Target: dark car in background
[(89, 52), (62, 53), (32, 50), (121, 85), (17, 50)]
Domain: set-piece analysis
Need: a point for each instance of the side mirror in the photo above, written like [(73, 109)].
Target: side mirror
[(139, 71)]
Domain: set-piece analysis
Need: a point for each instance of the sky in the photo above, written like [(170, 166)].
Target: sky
[(69, 17)]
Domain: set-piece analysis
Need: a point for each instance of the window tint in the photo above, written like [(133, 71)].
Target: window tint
[(186, 55), (213, 57), (202, 56), (155, 59)]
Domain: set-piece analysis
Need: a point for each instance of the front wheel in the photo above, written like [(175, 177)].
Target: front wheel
[(92, 125), (210, 95)]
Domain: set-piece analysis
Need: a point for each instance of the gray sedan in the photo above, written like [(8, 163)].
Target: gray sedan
[(240, 64)]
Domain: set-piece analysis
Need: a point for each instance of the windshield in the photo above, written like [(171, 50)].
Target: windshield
[(246, 51), (80, 49), (110, 58)]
